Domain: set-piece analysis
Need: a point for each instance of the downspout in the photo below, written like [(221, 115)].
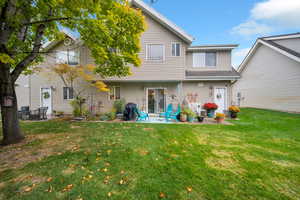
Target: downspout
[(29, 83)]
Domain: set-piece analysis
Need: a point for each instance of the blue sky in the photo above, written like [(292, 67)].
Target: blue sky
[(232, 21)]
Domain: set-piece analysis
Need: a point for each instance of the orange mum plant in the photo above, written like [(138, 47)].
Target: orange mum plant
[(220, 116), (234, 109)]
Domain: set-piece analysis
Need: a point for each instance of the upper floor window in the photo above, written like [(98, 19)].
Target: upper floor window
[(68, 93), (67, 57), (114, 93), (155, 52), (175, 49), (204, 59)]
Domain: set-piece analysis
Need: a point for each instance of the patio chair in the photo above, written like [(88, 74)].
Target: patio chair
[(38, 114), (141, 116), (173, 115), (169, 110), (24, 113)]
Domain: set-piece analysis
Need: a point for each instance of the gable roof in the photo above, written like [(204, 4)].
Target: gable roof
[(162, 20), (283, 36), (269, 42), (49, 44)]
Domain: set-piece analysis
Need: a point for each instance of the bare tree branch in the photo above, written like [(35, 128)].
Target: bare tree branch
[(28, 59), (47, 20)]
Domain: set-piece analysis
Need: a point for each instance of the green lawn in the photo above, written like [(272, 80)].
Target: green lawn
[(256, 158)]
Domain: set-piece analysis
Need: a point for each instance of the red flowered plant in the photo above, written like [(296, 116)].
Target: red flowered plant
[(210, 106)]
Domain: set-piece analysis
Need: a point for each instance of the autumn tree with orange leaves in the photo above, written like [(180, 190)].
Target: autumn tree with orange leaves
[(70, 76)]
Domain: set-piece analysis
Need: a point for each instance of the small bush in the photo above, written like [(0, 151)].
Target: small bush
[(119, 105), (77, 105), (108, 116)]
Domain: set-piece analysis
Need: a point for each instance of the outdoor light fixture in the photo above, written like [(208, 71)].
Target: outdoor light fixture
[(210, 91)]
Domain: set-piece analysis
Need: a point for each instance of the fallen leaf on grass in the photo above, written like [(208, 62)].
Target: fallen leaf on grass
[(75, 148), (162, 195), (109, 194), (104, 170), (29, 188), (189, 189), (122, 181), (49, 179), (68, 188), (86, 178), (98, 158), (122, 172)]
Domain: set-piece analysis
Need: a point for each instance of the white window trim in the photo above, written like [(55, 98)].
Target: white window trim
[(164, 53), (180, 46), (154, 88), (68, 94), (205, 66), (114, 91), (66, 53)]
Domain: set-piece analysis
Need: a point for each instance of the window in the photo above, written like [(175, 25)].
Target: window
[(210, 59), (155, 52), (68, 93), (198, 59), (204, 59), (68, 57), (114, 93), (175, 49)]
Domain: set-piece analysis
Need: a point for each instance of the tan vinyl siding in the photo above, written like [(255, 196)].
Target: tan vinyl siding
[(205, 90), (172, 68), (23, 91), (46, 78), (270, 80), (223, 61)]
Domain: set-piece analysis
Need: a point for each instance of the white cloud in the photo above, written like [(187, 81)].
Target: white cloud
[(281, 12), (269, 16), (238, 55), (251, 27)]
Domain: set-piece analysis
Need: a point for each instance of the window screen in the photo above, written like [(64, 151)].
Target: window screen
[(176, 49), (155, 52)]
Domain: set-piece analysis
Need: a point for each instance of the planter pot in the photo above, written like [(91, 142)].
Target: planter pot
[(200, 118), (190, 119), (183, 117), (210, 113), (233, 115), (220, 120)]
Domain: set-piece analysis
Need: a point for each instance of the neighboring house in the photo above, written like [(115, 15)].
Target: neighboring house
[(172, 70), (270, 74)]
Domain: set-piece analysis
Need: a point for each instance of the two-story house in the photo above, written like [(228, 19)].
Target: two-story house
[(270, 74), (172, 71)]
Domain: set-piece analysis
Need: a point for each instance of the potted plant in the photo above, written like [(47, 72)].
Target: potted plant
[(220, 117), (190, 115), (233, 111), (210, 108), (184, 115)]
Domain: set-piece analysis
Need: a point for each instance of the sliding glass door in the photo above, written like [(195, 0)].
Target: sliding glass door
[(156, 100)]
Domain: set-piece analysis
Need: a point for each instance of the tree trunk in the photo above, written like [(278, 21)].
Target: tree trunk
[(10, 123)]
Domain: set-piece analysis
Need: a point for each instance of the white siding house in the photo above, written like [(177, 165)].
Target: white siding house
[(270, 74)]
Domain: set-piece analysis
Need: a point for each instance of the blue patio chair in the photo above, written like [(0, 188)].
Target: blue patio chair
[(169, 110), (141, 116), (173, 115)]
